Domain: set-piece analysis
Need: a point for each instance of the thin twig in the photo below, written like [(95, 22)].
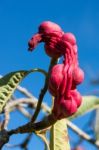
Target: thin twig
[(82, 134), (26, 141), (32, 101), (6, 120), (44, 106), (17, 104), (24, 91), (24, 111), (12, 145), (43, 91)]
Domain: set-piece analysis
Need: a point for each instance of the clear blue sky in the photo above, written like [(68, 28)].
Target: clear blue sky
[(19, 21)]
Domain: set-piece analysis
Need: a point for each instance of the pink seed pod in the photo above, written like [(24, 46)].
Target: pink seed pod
[(56, 77), (48, 27), (78, 75), (68, 106), (77, 97)]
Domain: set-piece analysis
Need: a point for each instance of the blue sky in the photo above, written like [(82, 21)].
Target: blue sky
[(19, 21)]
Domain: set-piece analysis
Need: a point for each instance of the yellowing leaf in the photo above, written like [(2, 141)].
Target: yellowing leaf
[(59, 136)]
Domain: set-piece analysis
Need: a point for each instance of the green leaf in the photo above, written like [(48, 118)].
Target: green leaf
[(88, 103), (9, 83), (59, 136)]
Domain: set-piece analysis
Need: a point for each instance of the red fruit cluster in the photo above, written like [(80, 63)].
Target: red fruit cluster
[(64, 77)]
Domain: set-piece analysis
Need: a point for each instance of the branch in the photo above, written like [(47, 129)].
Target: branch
[(34, 127), (4, 138)]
